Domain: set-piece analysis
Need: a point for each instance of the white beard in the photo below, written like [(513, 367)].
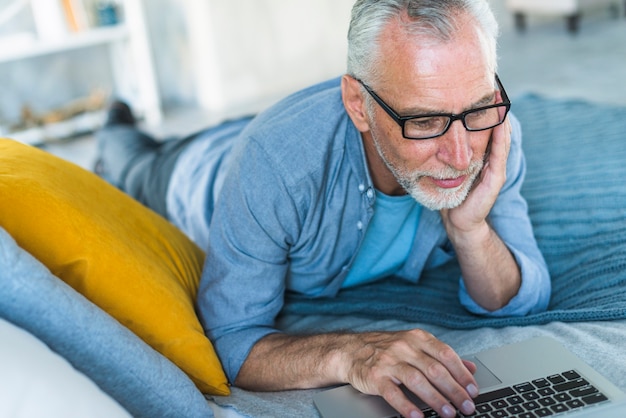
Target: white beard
[(440, 198)]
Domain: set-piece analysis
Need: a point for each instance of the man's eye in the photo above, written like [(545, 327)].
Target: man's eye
[(477, 114), (427, 123)]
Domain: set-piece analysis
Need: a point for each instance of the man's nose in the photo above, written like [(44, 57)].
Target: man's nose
[(455, 149)]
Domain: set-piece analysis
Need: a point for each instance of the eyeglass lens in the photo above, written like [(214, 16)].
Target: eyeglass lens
[(429, 126)]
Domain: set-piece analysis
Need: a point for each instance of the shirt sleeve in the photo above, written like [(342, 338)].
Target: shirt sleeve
[(243, 281), (509, 218)]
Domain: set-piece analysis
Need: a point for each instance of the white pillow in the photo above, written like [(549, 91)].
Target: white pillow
[(37, 382)]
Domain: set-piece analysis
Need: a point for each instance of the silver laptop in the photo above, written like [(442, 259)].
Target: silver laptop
[(534, 378)]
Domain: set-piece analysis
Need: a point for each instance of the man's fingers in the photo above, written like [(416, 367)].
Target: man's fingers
[(441, 379), (422, 364), (434, 394), (461, 371), (471, 366), (500, 146), (399, 401)]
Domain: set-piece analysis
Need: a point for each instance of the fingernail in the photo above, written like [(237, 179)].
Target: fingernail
[(448, 411), (415, 414), (468, 407), (472, 390)]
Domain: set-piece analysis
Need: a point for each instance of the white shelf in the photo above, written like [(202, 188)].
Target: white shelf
[(132, 69), (78, 125), (85, 39)]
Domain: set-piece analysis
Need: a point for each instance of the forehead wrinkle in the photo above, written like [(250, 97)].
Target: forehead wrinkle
[(399, 66), (424, 109)]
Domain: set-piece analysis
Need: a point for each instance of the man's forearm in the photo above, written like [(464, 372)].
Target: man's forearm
[(280, 362), (490, 272)]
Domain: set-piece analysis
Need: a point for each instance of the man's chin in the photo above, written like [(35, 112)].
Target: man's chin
[(440, 199)]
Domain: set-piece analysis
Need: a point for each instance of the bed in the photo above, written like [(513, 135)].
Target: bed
[(574, 186)]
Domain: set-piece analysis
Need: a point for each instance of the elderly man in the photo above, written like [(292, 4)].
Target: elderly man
[(404, 162)]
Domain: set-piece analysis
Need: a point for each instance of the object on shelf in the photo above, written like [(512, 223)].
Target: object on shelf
[(76, 14), (107, 13), (75, 118), (127, 44), (56, 19)]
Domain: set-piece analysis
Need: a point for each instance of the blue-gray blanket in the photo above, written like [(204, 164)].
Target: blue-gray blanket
[(576, 192)]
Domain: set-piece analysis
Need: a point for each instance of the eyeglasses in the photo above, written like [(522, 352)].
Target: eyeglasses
[(436, 124)]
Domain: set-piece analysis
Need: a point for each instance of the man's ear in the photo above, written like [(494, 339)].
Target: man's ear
[(354, 102)]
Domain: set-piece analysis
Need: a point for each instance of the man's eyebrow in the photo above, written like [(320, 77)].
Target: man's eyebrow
[(487, 100)]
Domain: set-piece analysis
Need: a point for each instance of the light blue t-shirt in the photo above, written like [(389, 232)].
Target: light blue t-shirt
[(388, 239)]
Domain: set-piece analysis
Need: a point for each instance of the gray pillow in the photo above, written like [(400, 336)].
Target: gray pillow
[(139, 378)]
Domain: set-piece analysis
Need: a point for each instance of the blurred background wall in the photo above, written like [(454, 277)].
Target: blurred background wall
[(225, 56), (213, 59)]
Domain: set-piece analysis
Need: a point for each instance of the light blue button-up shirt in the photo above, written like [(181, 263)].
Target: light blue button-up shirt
[(281, 204)]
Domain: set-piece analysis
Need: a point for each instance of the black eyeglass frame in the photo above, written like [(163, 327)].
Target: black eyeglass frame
[(401, 120)]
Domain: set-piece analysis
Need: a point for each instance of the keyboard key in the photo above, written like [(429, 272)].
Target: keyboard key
[(584, 391), (575, 403), (499, 404), (547, 401), (546, 391), (515, 409), (571, 375), (543, 412), (531, 405), (530, 396), (524, 387), (527, 415), (558, 408), (483, 407), (515, 400), (571, 384), (556, 379), (496, 394), (595, 398), (562, 397), (541, 383)]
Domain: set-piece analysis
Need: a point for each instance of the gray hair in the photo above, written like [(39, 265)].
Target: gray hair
[(430, 19)]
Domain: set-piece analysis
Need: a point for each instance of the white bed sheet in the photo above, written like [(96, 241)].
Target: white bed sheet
[(37, 382)]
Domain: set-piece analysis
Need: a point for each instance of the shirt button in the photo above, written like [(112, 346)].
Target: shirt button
[(370, 193), (359, 225), (361, 188)]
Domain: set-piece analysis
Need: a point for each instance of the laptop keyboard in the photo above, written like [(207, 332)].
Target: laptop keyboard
[(549, 396)]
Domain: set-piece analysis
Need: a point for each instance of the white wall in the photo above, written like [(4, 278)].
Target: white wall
[(250, 52)]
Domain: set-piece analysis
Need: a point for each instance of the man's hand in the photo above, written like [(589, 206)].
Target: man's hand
[(374, 363), (472, 213)]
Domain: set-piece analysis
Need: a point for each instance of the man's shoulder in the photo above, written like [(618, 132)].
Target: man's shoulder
[(304, 130), (310, 107)]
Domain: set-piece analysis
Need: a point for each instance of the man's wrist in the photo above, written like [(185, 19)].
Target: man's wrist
[(468, 239)]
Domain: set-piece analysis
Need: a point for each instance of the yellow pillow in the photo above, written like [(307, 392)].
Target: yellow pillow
[(126, 259)]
